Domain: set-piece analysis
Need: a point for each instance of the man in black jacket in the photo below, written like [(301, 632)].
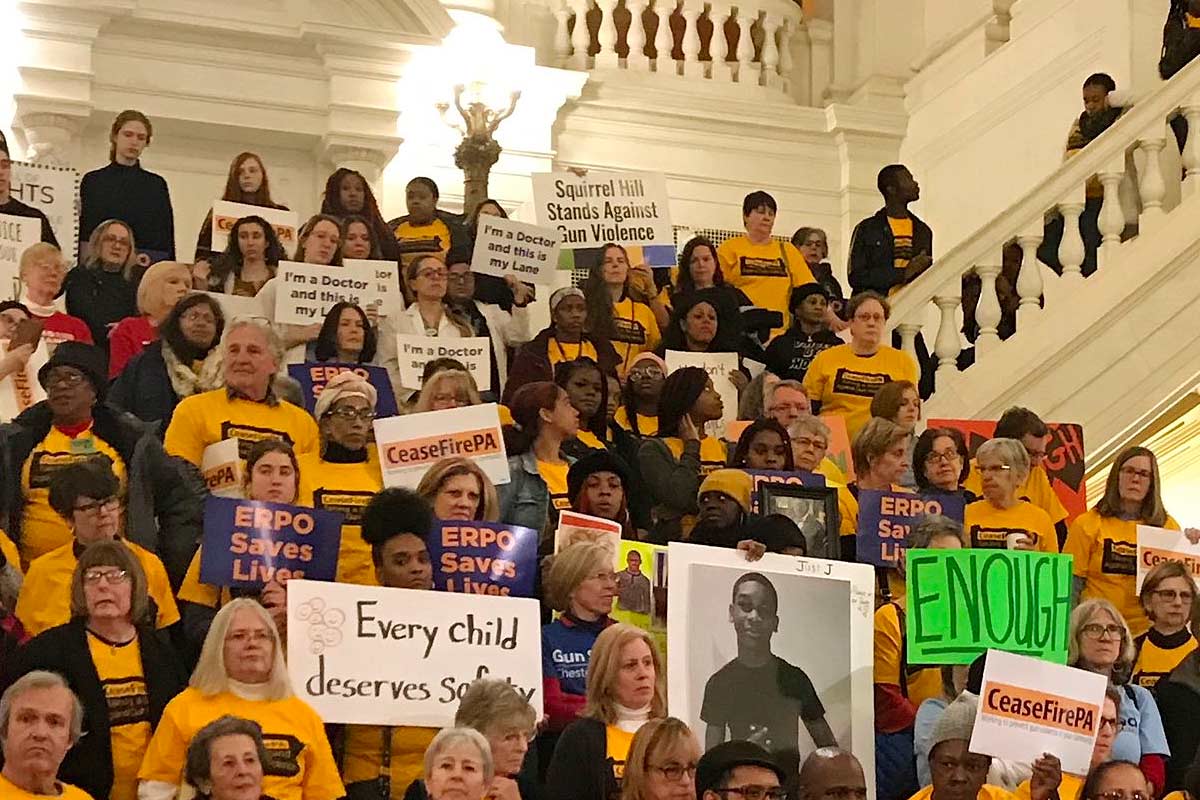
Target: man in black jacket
[(1181, 44), (12, 206), (891, 248)]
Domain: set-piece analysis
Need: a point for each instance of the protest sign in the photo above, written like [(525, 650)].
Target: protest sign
[(248, 543), (506, 247), (761, 476), (735, 429), (313, 376), (483, 558), (21, 389), (473, 352), (225, 214), (345, 642), (575, 527), (718, 366), (838, 452), (234, 306), (387, 272), (588, 211), (54, 191), (306, 292), (17, 234), (963, 602), (221, 466), (884, 519), (1028, 707), (409, 444), (1154, 546)]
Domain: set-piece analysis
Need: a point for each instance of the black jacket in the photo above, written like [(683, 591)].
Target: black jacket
[(64, 650), (1181, 44), (532, 362), (790, 354), (1178, 699), (101, 298), (144, 388), (872, 253), (580, 768), (164, 504), (133, 195)]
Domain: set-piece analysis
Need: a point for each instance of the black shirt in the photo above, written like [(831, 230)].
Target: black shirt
[(136, 197), (790, 354), (775, 696), (16, 208)]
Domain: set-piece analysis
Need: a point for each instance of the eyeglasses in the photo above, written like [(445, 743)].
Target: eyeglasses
[(1171, 595), (756, 792), (198, 315), (870, 317), (1120, 794), (804, 441), (1112, 722), (994, 469), (241, 637), (675, 772), (606, 577), (110, 576), (106, 504), (1134, 472), (1095, 630), (645, 372), (431, 274), (352, 414), (65, 375), (944, 456)]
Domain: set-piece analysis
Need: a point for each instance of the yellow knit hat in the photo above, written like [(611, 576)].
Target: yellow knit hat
[(732, 482)]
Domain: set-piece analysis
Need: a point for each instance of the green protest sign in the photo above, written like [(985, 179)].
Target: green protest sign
[(963, 602)]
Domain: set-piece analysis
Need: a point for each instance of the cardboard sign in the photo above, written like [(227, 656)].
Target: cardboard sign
[(369, 655), (221, 466), (885, 518), (386, 271), (474, 352), (17, 234), (762, 476), (54, 191), (575, 527), (313, 376), (225, 214), (21, 389), (718, 366), (483, 558), (408, 445), (507, 247), (306, 292), (963, 602), (1028, 707), (248, 543), (234, 306), (627, 208), (1156, 545)]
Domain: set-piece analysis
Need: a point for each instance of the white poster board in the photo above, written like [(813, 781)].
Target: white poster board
[(306, 292), (368, 655), (221, 466), (17, 234), (507, 247), (409, 444), (821, 627), (54, 191), (1156, 545), (225, 214), (414, 352), (233, 305), (385, 272), (21, 389), (626, 208), (575, 527), (1028, 707), (718, 366)]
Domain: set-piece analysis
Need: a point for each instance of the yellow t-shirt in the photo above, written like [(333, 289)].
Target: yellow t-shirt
[(889, 642), (986, 792), (647, 426), (555, 476), (10, 791), (345, 489), (713, 455), (191, 590), (42, 529), (1069, 789), (1192, 22), (845, 383), (635, 331), (590, 440), (1036, 489), (211, 417), (45, 598), (124, 682), (559, 352), (616, 749), (300, 763), (1105, 551), (1158, 654), (419, 240), (765, 272), (988, 526), (364, 744), (10, 553), (902, 237)]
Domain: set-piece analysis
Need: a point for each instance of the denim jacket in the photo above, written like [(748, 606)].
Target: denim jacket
[(525, 499)]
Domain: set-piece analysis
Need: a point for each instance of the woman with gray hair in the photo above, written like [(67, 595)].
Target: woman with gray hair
[(225, 760), (102, 291), (458, 764), (1002, 519)]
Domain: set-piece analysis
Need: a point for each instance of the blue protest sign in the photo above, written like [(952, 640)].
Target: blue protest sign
[(761, 476), (313, 376), (483, 558), (884, 519), (248, 543)]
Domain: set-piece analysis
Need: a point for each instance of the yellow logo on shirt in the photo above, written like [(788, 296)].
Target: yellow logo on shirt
[(349, 504), (283, 755), (628, 331), (1119, 558), (997, 538), (247, 435), (45, 464)]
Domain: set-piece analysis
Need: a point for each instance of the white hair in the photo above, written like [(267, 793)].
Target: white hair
[(262, 324), (211, 677), (448, 737)]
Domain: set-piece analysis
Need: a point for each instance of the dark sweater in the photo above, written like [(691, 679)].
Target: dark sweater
[(15, 208), (1178, 699), (581, 768), (134, 196), (100, 298)]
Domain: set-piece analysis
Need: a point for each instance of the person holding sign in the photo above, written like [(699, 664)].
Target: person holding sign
[(429, 314), (1168, 596), (162, 287), (346, 337), (620, 309), (247, 183), (880, 453), (457, 489), (1002, 519), (42, 271), (543, 419), (1103, 539), (348, 194), (957, 773), (241, 672), (250, 259), (702, 322), (124, 670), (1070, 787), (504, 329), (13, 207)]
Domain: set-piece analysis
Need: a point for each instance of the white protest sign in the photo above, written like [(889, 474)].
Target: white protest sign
[(474, 352), (234, 305), (54, 191), (1156, 545), (409, 444), (21, 389), (718, 366), (1028, 706), (306, 292), (507, 247), (225, 214), (627, 208), (17, 234), (221, 466), (575, 527), (368, 655), (385, 272)]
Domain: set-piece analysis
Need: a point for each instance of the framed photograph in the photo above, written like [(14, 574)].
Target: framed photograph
[(813, 509)]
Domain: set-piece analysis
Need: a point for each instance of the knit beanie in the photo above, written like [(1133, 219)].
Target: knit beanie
[(86, 358), (344, 384), (956, 722), (803, 291), (733, 483), (591, 463)]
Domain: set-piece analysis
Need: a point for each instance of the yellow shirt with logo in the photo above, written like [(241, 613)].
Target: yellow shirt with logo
[(1036, 489), (364, 744), (559, 352), (10, 791), (42, 529), (902, 238), (647, 426), (1069, 789), (555, 476), (210, 417), (616, 749), (299, 766), (1105, 551), (765, 272), (889, 644), (419, 240), (845, 383), (988, 526), (635, 331), (119, 667), (1158, 654), (345, 489), (192, 590), (45, 599)]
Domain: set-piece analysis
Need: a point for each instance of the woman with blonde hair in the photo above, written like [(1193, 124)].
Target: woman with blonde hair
[(1103, 539), (447, 388), (241, 672), (103, 289), (41, 272), (458, 489), (626, 688), (163, 285), (662, 762), (427, 279)]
